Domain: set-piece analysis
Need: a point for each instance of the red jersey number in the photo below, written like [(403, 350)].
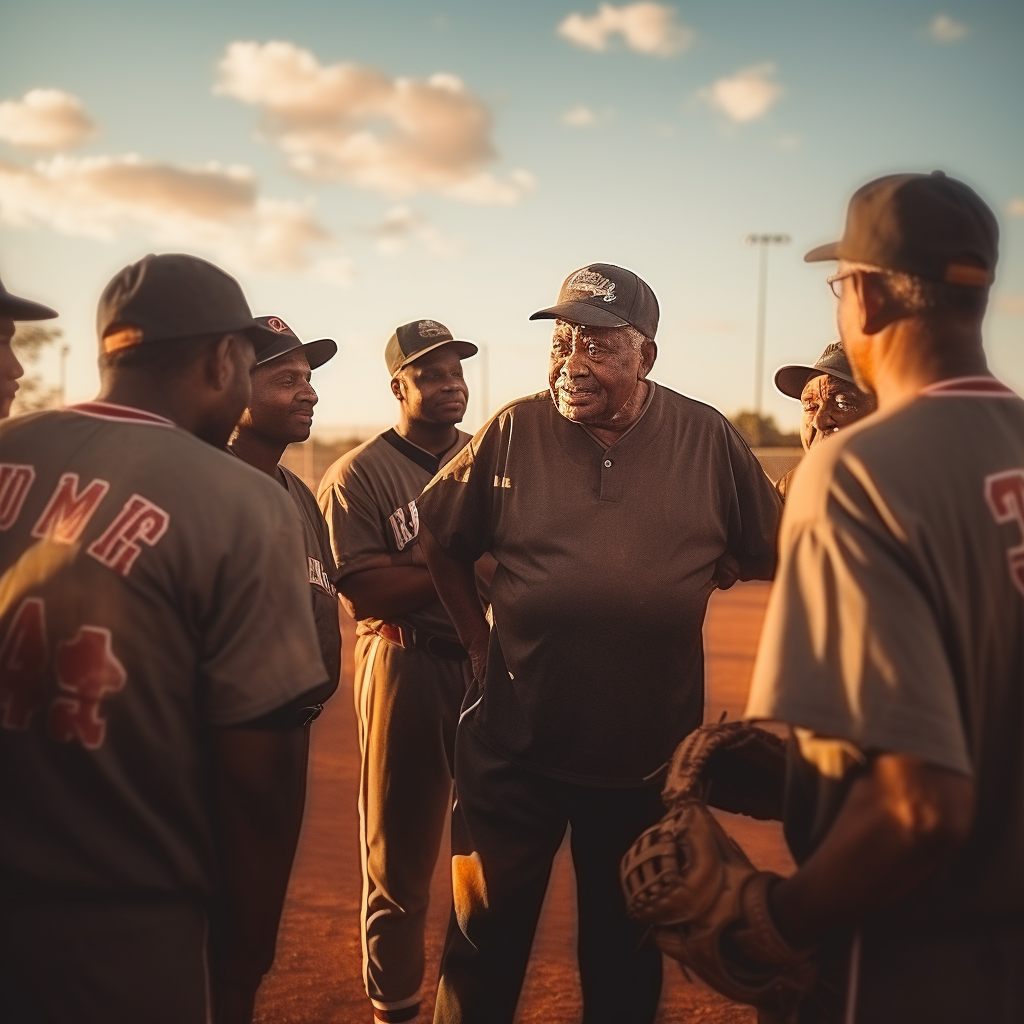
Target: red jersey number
[(1004, 493), (87, 672)]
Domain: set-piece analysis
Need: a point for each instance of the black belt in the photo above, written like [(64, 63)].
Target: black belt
[(421, 640)]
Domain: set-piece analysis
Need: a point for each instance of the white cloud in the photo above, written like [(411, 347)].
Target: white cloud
[(211, 207), (347, 122), (943, 29), (1017, 207), (46, 119), (745, 96), (645, 27), (403, 227), (579, 117)]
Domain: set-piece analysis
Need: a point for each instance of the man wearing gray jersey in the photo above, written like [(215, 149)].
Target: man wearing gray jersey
[(411, 671), (158, 662), (894, 637)]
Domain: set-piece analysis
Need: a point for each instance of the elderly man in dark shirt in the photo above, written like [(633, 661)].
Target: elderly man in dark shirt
[(614, 507)]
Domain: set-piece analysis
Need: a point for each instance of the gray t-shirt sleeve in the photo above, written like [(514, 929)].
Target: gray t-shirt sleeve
[(260, 648), (851, 647), (457, 505), (353, 522)]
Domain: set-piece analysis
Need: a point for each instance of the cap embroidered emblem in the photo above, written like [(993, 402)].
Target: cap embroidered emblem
[(277, 324), (431, 329), (592, 283)]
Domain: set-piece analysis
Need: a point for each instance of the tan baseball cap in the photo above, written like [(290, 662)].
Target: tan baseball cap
[(412, 340), (792, 379), (929, 225)]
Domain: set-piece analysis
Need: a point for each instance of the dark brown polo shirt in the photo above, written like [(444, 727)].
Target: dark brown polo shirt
[(606, 560)]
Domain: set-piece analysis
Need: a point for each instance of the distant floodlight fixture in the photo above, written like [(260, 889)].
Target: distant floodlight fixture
[(763, 242)]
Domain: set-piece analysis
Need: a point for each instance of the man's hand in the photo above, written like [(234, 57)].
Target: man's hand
[(456, 586)]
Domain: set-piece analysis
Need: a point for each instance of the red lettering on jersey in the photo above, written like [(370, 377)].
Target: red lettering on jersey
[(139, 522), (1004, 493), (22, 664), (15, 483), (88, 670), (67, 513)]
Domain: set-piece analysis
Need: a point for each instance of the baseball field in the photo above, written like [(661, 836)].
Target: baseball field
[(316, 979)]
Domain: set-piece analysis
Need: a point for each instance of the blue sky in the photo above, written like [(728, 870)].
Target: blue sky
[(737, 118)]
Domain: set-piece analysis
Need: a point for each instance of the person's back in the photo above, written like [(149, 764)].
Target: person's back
[(117, 590), (158, 661)]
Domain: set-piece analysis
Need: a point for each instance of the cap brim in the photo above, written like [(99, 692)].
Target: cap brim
[(580, 313), (25, 309), (791, 380), (316, 352), (465, 349), (822, 253)]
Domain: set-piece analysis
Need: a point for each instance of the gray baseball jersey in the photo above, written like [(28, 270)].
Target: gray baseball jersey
[(320, 569), (152, 588), (369, 498), (896, 622)]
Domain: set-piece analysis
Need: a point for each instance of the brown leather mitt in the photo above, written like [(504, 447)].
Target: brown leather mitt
[(708, 906), (734, 766)]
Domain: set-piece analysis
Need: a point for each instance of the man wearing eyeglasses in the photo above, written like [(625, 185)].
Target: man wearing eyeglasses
[(894, 638), (614, 507), (829, 400)]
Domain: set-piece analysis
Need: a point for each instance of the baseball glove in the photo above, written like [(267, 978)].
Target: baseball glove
[(734, 766), (708, 907)]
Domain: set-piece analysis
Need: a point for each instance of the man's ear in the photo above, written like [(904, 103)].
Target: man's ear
[(396, 388), (877, 309), (648, 353), (219, 363)]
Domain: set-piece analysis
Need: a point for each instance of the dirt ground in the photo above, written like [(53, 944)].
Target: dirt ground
[(316, 978)]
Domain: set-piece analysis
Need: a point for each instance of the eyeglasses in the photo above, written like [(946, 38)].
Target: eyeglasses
[(834, 280)]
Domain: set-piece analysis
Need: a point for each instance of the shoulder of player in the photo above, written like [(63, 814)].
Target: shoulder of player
[(355, 461)]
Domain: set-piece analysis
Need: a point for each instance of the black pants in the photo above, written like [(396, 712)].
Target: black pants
[(506, 828)]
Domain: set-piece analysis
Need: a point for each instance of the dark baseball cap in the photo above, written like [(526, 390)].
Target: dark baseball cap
[(929, 225), (791, 380), (603, 295), (23, 309), (410, 341), (174, 296), (286, 340)]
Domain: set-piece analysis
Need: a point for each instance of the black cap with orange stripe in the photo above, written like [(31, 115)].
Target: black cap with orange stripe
[(174, 296), (929, 225)]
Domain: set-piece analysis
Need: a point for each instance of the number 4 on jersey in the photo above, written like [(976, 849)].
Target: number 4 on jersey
[(87, 672)]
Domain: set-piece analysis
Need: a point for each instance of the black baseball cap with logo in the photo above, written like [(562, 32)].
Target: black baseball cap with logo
[(929, 225), (791, 380), (286, 340), (603, 295), (174, 296), (410, 341), (18, 308)]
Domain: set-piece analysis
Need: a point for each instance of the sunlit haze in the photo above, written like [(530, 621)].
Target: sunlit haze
[(359, 165)]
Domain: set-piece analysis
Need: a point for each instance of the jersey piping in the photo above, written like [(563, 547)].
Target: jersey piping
[(423, 459), (120, 413), (968, 387)]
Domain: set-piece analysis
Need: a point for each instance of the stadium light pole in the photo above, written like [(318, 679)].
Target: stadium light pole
[(763, 242)]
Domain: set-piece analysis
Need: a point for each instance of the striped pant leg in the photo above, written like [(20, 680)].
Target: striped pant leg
[(407, 704)]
